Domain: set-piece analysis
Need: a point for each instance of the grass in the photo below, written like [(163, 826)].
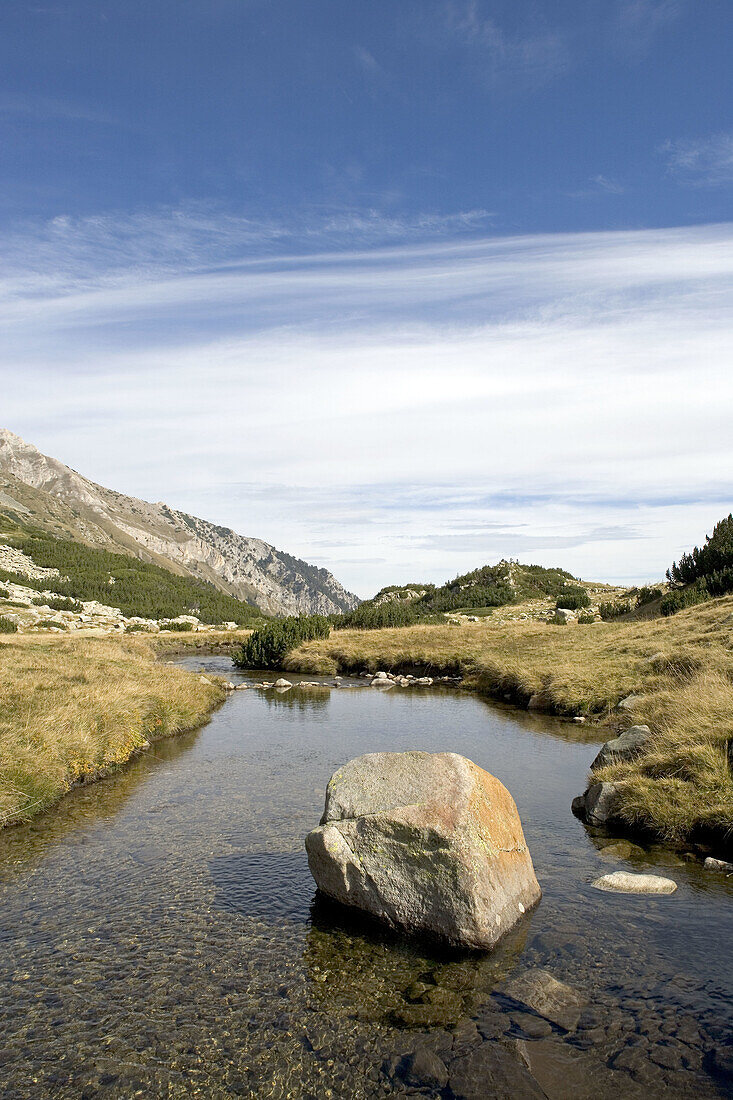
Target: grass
[(681, 668), (74, 709)]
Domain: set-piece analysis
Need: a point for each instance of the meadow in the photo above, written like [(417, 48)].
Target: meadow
[(72, 710)]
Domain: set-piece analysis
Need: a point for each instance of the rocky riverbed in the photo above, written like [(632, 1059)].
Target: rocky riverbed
[(161, 933)]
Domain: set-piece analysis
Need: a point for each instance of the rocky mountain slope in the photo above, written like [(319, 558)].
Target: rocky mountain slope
[(44, 492)]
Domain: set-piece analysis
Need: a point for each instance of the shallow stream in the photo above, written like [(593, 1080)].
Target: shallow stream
[(160, 934)]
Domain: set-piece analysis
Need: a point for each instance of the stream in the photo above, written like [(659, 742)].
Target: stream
[(161, 936)]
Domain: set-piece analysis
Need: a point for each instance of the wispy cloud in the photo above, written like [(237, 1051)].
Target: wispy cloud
[(640, 21), (534, 55), (610, 185), (52, 108), (702, 162), (438, 402)]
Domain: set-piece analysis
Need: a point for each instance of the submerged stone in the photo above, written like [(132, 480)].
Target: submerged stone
[(541, 991), (425, 842)]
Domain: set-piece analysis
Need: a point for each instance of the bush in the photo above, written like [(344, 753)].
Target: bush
[(176, 626), (4, 593), (613, 609), (49, 624), (268, 647), (684, 597), (573, 599), (586, 618), (7, 626)]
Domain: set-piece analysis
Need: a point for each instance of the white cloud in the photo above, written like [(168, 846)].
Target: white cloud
[(439, 404), (702, 162)]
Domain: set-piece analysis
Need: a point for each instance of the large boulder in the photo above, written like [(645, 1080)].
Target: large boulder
[(626, 746), (426, 842)]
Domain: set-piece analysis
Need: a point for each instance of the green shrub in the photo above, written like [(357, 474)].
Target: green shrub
[(613, 609), (176, 626), (269, 645), (48, 624), (573, 599), (7, 626), (684, 597), (4, 593), (586, 618)]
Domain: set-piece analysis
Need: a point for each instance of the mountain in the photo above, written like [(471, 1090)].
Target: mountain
[(51, 496)]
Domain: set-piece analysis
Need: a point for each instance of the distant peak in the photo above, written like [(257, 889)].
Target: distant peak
[(10, 437)]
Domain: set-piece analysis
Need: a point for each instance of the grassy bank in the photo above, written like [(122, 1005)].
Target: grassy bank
[(73, 709), (681, 669)]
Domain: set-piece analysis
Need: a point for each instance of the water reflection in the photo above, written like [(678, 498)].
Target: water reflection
[(299, 699)]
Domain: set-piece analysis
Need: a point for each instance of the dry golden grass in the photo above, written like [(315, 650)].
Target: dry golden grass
[(177, 643), (72, 709), (681, 667)]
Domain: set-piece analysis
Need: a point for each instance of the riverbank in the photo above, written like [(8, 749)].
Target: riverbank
[(74, 709), (673, 674)]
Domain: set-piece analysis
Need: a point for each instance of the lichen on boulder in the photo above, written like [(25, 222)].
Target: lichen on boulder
[(427, 843)]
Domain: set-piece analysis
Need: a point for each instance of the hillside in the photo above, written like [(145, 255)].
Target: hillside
[(65, 584), (534, 588), (42, 492)]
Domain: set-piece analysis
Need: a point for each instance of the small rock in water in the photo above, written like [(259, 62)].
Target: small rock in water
[(711, 864), (620, 849), (283, 683), (624, 882), (599, 803)]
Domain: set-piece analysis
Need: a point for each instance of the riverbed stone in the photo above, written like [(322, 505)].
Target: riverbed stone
[(423, 1068), (427, 843), (562, 1072), (722, 865), (547, 996), (626, 746), (490, 1070), (624, 882)]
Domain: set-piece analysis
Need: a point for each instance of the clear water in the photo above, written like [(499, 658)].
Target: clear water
[(160, 934)]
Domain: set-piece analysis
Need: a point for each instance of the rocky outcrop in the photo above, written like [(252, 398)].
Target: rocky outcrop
[(62, 501), (425, 842)]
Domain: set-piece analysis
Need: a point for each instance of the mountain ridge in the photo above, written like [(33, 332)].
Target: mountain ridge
[(64, 503)]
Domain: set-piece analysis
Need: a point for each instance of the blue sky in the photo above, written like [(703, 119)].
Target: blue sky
[(401, 286)]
